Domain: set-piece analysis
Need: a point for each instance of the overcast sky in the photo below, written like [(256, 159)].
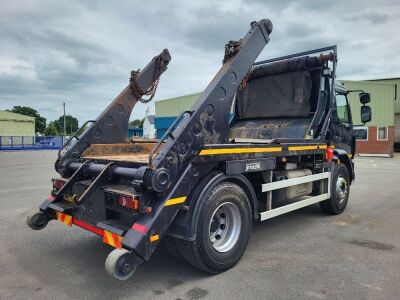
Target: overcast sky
[(82, 52)]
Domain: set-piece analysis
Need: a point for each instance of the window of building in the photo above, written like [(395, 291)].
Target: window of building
[(361, 133), (382, 133)]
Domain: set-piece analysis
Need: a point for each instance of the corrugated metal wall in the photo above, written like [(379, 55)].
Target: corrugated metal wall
[(174, 106), (382, 101), (396, 82), (12, 124)]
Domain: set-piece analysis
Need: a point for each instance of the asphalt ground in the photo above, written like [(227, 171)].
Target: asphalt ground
[(301, 255)]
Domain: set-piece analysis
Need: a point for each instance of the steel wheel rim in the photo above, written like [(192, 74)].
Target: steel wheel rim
[(225, 226), (341, 189)]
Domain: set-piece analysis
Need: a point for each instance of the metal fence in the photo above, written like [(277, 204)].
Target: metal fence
[(30, 142)]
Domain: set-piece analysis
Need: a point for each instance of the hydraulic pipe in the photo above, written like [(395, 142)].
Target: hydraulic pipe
[(126, 173)]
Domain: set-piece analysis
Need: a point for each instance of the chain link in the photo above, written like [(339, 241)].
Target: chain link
[(151, 91), (231, 49)]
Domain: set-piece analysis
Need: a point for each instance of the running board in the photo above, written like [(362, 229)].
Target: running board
[(269, 187)]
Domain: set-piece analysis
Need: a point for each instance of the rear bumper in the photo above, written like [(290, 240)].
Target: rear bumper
[(108, 237)]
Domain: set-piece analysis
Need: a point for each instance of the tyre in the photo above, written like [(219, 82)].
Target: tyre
[(117, 267), (170, 245), (340, 190), (223, 230), (37, 221)]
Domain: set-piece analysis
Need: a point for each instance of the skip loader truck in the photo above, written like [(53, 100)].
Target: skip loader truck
[(263, 139)]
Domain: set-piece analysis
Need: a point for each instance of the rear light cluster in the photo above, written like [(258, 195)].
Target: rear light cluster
[(58, 184), (128, 202), (132, 202)]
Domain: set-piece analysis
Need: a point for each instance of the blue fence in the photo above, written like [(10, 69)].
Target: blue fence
[(30, 142)]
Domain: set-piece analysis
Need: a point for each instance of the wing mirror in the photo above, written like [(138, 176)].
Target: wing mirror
[(366, 113), (364, 98)]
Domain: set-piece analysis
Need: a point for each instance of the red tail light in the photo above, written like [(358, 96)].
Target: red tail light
[(130, 202), (328, 154), (58, 184)]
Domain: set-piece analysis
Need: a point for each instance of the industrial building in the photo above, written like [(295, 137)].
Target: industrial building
[(12, 124), (376, 137), (15, 129)]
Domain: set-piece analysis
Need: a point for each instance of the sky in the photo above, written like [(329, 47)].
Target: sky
[(82, 52)]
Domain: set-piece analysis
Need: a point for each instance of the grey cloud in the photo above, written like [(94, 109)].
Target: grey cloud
[(82, 52), (371, 17)]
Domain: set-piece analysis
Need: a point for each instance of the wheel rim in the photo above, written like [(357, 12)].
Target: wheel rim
[(225, 227), (123, 268), (341, 189)]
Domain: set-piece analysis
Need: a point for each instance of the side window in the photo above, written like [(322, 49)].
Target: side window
[(342, 109)]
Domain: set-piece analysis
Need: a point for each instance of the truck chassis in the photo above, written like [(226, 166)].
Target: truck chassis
[(198, 188)]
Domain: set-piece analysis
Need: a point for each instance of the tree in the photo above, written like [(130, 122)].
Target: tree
[(135, 123), (51, 129), (40, 122), (141, 123), (71, 124)]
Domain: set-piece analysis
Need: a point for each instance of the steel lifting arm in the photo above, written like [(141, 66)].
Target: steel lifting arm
[(208, 121), (112, 124)]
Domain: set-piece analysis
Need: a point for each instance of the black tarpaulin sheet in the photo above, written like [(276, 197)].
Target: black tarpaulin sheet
[(283, 95)]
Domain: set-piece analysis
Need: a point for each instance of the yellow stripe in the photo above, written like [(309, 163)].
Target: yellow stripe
[(174, 201), (323, 146), (154, 238), (68, 220), (239, 150), (58, 214), (302, 148), (109, 238)]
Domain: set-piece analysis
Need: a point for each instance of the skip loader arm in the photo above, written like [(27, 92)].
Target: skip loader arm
[(207, 122), (111, 125)]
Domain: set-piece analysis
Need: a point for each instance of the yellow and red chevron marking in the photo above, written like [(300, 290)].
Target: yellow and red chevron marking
[(64, 218), (112, 239)]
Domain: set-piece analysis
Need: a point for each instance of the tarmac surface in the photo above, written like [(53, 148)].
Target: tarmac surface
[(301, 255)]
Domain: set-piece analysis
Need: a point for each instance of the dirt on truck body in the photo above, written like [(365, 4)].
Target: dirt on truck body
[(263, 139)]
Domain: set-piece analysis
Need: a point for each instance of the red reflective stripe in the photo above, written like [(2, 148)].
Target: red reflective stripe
[(140, 228), (87, 227)]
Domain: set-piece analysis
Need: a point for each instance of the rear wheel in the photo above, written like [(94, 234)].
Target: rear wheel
[(340, 190), (223, 230)]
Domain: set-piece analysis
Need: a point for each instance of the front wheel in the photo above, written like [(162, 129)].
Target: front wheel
[(340, 190), (223, 230)]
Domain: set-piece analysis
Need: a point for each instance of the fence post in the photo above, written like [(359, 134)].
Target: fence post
[(22, 142), (12, 142)]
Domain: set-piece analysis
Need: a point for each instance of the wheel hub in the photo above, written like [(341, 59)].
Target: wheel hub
[(225, 226), (341, 189)]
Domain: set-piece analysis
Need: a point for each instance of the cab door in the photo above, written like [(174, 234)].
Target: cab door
[(343, 131)]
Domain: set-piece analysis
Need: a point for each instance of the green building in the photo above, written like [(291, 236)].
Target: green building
[(376, 137), (12, 124)]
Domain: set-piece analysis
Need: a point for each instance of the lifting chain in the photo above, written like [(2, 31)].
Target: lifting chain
[(231, 49), (151, 91)]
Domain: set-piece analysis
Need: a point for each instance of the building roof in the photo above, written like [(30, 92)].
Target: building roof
[(383, 79), (174, 106), (11, 116), (151, 118)]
